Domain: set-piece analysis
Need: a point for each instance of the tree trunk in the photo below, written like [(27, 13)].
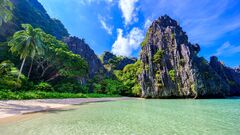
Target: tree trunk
[(52, 78), (20, 72), (30, 69), (44, 70)]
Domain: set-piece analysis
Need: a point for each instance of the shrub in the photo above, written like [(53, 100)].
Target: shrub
[(97, 88), (172, 74), (44, 86), (157, 58), (8, 76), (109, 86), (136, 90), (71, 87), (114, 87)]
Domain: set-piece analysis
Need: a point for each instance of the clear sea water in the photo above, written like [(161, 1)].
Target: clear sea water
[(136, 117)]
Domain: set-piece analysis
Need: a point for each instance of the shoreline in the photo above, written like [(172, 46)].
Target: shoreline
[(14, 108)]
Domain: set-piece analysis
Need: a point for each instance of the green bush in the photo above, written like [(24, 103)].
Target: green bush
[(44, 86), (114, 87), (158, 56), (7, 95), (172, 74), (129, 78), (8, 76), (97, 88), (109, 86), (136, 90), (71, 87)]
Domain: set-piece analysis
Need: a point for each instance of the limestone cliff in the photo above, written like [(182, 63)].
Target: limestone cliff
[(172, 69), (78, 46), (231, 76)]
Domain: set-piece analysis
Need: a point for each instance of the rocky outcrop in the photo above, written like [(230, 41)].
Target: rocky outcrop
[(231, 76), (125, 61), (116, 62), (171, 67), (107, 56), (78, 46), (31, 12)]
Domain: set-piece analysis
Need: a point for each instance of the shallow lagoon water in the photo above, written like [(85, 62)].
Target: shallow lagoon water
[(136, 117)]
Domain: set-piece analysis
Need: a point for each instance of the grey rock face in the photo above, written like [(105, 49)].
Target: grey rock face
[(78, 46), (231, 76), (171, 67), (106, 56), (125, 61)]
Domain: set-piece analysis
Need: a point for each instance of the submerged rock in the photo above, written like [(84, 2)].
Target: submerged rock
[(171, 67)]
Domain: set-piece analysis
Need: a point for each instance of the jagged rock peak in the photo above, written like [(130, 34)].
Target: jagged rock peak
[(168, 27), (171, 67), (166, 21)]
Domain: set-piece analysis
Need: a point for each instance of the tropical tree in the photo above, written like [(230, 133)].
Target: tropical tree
[(27, 43), (9, 73), (58, 61), (129, 77), (5, 11)]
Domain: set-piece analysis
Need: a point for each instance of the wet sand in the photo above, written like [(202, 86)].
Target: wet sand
[(11, 109)]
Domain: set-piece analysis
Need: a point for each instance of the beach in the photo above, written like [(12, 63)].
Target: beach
[(10, 108)]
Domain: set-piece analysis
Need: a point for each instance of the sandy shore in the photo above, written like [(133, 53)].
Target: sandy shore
[(10, 108)]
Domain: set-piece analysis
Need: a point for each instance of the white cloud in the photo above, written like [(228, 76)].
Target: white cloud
[(227, 49), (125, 45), (147, 24), (110, 1), (128, 10), (86, 2), (105, 26)]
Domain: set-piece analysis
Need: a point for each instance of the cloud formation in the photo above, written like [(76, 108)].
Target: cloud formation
[(125, 45), (227, 50), (84, 2), (128, 10), (105, 26)]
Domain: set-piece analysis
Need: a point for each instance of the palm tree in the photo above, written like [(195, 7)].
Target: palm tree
[(5, 11), (27, 43)]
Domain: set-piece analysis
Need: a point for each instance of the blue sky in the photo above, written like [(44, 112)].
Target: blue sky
[(120, 25)]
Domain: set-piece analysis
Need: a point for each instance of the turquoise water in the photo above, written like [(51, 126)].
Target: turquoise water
[(137, 117)]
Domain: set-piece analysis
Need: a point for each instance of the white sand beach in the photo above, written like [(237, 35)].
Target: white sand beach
[(10, 108)]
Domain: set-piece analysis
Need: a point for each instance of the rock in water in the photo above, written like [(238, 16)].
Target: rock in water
[(78, 46), (172, 69)]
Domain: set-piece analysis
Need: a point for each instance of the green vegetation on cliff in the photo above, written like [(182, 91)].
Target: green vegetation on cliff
[(5, 11)]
